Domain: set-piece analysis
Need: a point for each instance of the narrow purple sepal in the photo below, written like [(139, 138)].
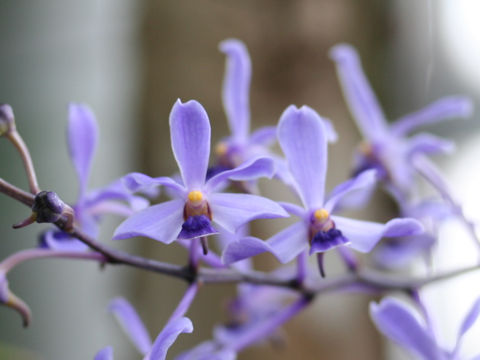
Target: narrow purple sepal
[(302, 137), (208, 350), (469, 320), (161, 222), (190, 138), (167, 337), (359, 95), (242, 249), (236, 86), (195, 227), (231, 211), (364, 235), (138, 182), (132, 324), (250, 170), (105, 354), (398, 323), (82, 141), (446, 108), (429, 144)]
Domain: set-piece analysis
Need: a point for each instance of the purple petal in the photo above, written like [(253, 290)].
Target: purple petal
[(332, 135), (470, 319), (195, 227), (364, 235), (446, 108), (264, 136), (105, 354), (132, 324), (361, 99), (82, 141), (59, 240), (259, 167), (429, 144), (293, 209), (397, 322), (167, 337), (137, 182), (190, 136), (243, 249), (236, 88), (363, 181), (161, 222), (288, 243), (208, 350), (302, 136), (231, 211)]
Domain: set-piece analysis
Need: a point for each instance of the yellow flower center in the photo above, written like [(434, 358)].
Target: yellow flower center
[(221, 149), (321, 214), (195, 196)]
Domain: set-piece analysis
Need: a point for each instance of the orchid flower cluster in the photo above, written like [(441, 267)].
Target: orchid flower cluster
[(213, 199)]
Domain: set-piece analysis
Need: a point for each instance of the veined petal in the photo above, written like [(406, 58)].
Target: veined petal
[(302, 137), (82, 141), (231, 211), (167, 337), (429, 144), (446, 108), (397, 322), (364, 235), (105, 354), (264, 136), (161, 222), (138, 182), (236, 86), (363, 181), (259, 167), (132, 324), (190, 137), (288, 243), (243, 249), (360, 98)]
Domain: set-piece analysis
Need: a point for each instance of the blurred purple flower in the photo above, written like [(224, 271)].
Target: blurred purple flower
[(387, 148), (401, 324), (198, 202), (90, 205), (302, 137), (138, 334)]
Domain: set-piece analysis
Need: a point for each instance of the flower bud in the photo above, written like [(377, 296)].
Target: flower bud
[(48, 207), (7, 119)]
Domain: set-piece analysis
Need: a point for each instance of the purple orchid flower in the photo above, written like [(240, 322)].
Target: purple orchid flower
[(302, 137), (403, 325), (241, 146), (138, 334), (386, 148), (198, 202), (90, 205)]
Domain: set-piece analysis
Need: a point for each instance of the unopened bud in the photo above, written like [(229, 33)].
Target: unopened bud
[(48, 207), (7, 119)]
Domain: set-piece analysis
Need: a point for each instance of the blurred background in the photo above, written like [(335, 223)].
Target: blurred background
[(130, 60)]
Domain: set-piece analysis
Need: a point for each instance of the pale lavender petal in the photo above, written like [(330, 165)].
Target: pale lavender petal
[(429, 144), (301, 134), (264, 136), (364, 235), (167, 337), (253, 169), (161, 222), (397, 322), (138, 182), (236, 86), (132, 324), (82, 141), (105, 354), (362, 182), (446, 108), (332, 135), (243, 249), (59, 240), (293, 209), (361, 99), (470, 319), (208, 350), (231, 211), (432, 174), (190, 137), (288, 243)]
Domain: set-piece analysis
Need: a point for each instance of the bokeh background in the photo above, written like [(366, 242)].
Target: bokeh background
[(130, 60)]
